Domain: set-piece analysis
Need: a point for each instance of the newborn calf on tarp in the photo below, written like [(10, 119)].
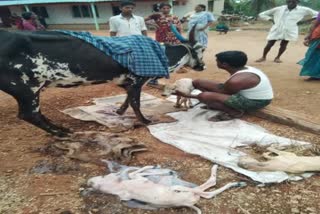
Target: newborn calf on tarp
[(283, 161), (142, 185), (183, 85)]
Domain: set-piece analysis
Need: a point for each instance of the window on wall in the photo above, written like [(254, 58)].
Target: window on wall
[(40, 11), (210, 5), (116, 10), (83, 11)]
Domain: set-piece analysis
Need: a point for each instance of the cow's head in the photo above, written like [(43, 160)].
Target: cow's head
[(195, 50), (196, 57)]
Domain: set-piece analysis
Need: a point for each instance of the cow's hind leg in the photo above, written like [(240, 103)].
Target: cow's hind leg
[(29, 109)]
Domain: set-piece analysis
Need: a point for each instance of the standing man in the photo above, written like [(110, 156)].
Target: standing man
[(203, 20), (126, 24), (285, 26)]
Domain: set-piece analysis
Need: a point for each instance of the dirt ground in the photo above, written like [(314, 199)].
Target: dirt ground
[(24, 191)]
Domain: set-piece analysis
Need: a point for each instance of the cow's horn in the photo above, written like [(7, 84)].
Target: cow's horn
[(192, 38), (177, 34)]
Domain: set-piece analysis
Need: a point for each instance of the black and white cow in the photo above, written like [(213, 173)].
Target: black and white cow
[(32, 61)]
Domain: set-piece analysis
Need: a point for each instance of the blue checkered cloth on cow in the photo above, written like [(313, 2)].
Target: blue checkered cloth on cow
[(140, 54)]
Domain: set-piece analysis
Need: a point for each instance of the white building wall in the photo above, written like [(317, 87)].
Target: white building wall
[(181, 10), (218, 7), (62, 13), (144, 8), (16, 9)]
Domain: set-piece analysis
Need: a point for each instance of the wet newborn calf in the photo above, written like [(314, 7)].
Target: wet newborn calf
[(138, 187), (183, 85), (284, 161)]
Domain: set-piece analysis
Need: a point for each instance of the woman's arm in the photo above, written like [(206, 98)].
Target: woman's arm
[(315, 24)]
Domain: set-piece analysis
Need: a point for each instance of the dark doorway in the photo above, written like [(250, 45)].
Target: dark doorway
[(5, 16)]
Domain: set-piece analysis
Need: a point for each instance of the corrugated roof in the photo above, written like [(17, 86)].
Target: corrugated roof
[(25, 2)]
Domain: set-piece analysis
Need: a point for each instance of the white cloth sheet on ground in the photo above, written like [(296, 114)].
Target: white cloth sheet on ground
[(192, 133), (218, 141), (104, 111)]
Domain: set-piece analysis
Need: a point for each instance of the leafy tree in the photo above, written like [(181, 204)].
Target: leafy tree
[(254, 7), (314, 4), (260, 5), (248, 7), (229, 6)]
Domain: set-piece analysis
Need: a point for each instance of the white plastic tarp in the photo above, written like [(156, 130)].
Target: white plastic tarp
[(192, 132), (218, 141)]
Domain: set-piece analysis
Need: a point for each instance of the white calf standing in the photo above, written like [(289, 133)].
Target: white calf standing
[(183, 85)]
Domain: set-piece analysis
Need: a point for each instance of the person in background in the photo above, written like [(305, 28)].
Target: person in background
[(17, 21), (285, 26), (126, 23), (29, 22), (311, 62), (222, 27), (163, 21), (202, 19), (247, 89)]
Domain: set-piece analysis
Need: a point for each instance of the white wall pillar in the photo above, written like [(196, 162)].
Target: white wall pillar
[(93, 9), (218, 7), (171, 3), (26, 7)]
